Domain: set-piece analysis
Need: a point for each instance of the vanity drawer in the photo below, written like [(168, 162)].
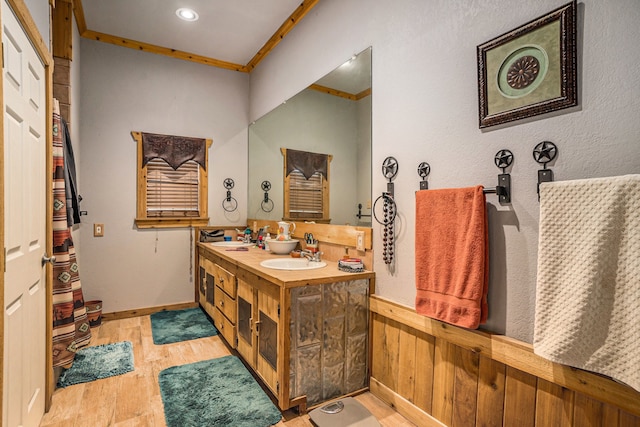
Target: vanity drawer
[(225, 280), (225, 304), (226, 328)]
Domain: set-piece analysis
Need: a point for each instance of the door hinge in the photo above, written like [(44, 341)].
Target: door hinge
[(278, 311), (2, 55), (4, 259), (277, 387)]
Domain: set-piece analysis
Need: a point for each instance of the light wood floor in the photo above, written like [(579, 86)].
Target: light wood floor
[(133, 399)]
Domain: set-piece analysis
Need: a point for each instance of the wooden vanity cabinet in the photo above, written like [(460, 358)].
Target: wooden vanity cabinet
[(305, 335)]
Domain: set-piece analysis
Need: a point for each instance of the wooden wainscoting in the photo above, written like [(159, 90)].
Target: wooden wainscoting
[(437, 374)]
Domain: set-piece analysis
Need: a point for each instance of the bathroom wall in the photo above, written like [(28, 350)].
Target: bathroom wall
[(125, 90), (425, 108)]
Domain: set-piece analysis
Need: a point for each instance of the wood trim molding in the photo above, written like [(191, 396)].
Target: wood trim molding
[(335, 92), (78, 13), (159, 50), (402, 405), (297, 15), (513, 353), (116, 315), (276, 38)]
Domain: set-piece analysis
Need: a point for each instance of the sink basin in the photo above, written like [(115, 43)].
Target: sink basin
[(292, 264), (232, 244)]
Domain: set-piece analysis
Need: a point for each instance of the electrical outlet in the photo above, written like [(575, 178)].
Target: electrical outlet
[(98, 230), (360, 240)]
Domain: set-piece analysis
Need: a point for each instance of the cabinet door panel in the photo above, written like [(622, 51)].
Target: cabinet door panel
[(267, 354), (246, 322)]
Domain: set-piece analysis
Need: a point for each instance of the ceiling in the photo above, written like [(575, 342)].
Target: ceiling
[(233, 34)]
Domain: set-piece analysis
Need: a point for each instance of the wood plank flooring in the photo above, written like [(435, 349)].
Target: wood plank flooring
[(133, 399)]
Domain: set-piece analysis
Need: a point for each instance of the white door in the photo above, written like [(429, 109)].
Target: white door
[(25, 226)]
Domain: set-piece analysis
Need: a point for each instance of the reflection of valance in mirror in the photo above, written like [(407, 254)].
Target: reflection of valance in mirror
[(175, 150), (307, 163)]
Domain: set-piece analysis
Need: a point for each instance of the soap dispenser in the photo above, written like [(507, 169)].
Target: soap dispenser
[(266, 240)]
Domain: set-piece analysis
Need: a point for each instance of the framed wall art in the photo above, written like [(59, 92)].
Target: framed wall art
[(530, 70)]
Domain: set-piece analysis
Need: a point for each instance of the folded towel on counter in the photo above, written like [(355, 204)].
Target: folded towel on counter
[(588, 284), (351, 265), (452, 257)]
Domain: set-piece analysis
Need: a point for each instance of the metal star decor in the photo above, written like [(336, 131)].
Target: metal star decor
[(503, 159), (424, 169), (228, 183), (389, 168), (544, 152)]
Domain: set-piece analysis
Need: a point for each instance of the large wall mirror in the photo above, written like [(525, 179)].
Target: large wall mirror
[(332, 117)]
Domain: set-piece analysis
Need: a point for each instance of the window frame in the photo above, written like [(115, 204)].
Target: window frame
[(142, 220)]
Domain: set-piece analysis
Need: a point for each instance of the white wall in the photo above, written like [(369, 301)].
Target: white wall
[(125, 90), (425, 109)]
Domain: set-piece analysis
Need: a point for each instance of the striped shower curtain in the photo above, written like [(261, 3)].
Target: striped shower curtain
[(71, 329)]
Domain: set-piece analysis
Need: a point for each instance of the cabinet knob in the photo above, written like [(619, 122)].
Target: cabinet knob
[(221, 303), (221, 280)]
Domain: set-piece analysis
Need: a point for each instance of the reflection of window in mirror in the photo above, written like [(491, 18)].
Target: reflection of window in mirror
[(306, 186)]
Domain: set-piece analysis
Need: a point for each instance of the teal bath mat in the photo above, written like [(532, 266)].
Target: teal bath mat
[(181, 325), (218, 392), (101, 361)]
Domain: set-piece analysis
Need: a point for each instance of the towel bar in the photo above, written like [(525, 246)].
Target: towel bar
[(359, 215)]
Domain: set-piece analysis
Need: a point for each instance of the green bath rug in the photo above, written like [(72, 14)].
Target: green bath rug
[(181, 325), (101, 361), (218, 392)]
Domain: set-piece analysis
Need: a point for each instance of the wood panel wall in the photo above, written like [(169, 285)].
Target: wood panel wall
[(437, 374)]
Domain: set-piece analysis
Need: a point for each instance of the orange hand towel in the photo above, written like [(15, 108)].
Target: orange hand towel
[(452, 257)]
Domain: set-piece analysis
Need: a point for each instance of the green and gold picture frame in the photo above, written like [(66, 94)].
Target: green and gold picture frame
[(530, 70)]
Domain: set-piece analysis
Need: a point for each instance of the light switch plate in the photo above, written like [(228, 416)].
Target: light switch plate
[(360, 240), (98, 230)]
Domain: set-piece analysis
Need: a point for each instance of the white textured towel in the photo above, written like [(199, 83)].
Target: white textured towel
[(588, 290)]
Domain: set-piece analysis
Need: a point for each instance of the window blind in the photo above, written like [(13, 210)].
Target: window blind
[(172, 193), (305, 195)]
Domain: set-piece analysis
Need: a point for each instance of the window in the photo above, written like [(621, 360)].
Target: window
[(306, 186), (172, 181)]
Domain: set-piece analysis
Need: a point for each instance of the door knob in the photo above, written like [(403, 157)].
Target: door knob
[(46, 259)]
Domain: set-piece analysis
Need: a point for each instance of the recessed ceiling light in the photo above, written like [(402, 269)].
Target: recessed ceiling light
[(187, 14)]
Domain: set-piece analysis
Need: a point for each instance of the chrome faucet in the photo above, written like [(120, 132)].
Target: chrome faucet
[(311, 256)]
